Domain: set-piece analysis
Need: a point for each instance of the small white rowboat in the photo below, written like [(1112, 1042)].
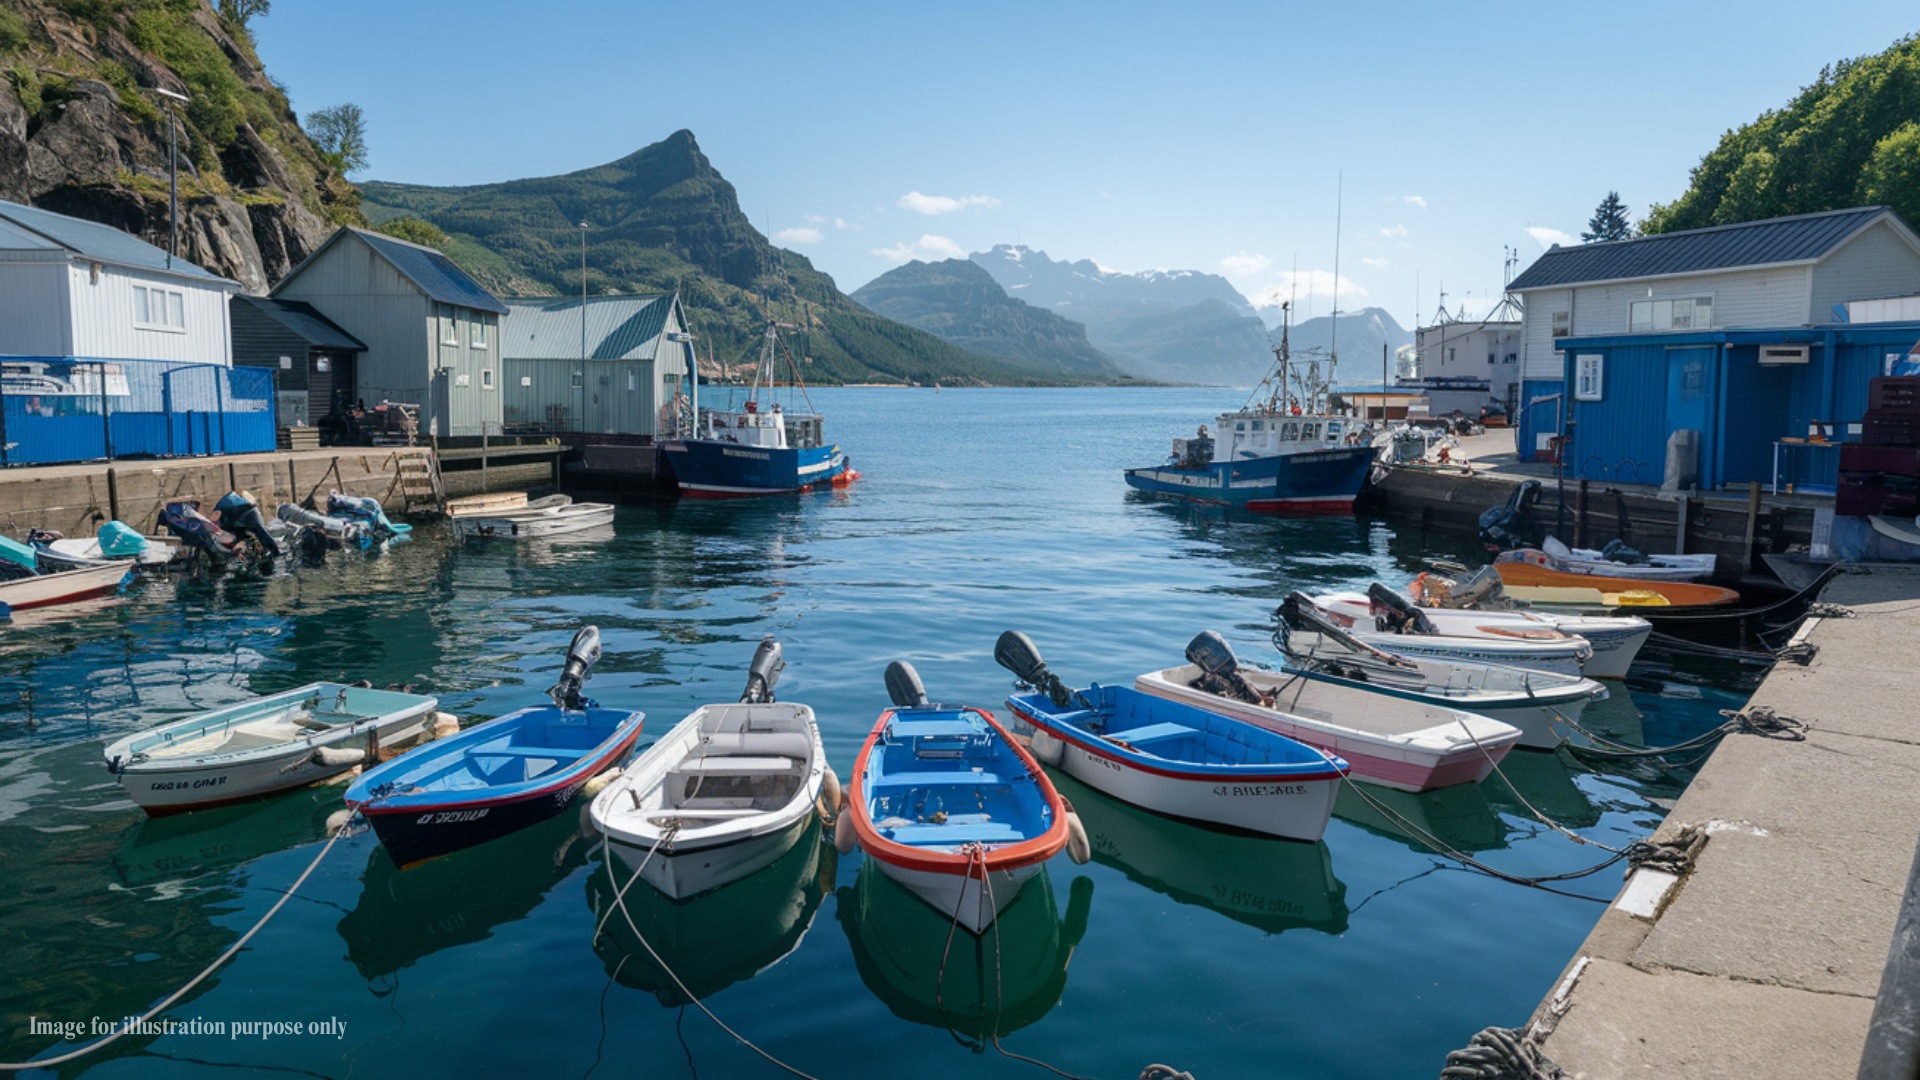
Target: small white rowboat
[(43, 589), (533, 522)]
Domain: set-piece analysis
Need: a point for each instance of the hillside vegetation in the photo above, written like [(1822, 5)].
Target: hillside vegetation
[(1852, 138), (960, 303)]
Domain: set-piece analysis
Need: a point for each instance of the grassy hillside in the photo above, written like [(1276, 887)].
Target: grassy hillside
[(960, 303), (663, 219)]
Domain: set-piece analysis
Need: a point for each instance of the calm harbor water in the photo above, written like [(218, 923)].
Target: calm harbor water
[(983, 510)]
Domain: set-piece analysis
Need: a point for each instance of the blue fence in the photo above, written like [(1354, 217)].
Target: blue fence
[(59, 408)]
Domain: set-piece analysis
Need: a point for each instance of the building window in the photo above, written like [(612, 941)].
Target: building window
[(1588, 372), (159, 309), (486, 378), (478, 335), (1562, 323), (1653, 316), (449, 332)]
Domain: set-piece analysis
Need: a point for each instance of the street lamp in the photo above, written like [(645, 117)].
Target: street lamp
[(583, 329), (173, 172)]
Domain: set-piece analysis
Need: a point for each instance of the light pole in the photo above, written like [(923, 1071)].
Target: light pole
[(173, 172), (583, 329)]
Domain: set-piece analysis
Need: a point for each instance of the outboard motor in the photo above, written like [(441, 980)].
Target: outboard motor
[(118, 541), (581, 656), (763, 672), (318, 531), (1220, 669), (1392, 612), (241, 516), (1617, 551), (184, 520), (1482, 590), (1509, 526), (362, 508), (904, 687), (1015, 651)]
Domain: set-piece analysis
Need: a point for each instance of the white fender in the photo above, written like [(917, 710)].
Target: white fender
[(333, 757), (1078, 849), (844, 839), (338, 820), (444, 724), (831, 793), (1047, 748), (599, 783)]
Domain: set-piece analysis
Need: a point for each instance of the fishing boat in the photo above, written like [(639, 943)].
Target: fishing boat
[(1612, 561), (1284, 453), (535, 521), (756, 450), (1540, 703), (1613, 640), (498, 777), (1393, 741), (723, 794), (41, 590), (273, 743), (1527, 568), (947, 803), (1172, 757)]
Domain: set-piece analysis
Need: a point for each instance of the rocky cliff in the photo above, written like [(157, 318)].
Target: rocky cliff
[(82, 133)]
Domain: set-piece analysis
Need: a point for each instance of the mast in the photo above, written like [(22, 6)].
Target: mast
[(1333, 337)]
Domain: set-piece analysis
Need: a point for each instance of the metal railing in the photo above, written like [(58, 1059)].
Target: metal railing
[(56, 409)]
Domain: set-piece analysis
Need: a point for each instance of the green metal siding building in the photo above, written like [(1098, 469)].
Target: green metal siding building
[(608, 365)]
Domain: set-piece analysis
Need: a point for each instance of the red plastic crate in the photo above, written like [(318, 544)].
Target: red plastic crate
[(1894, 393), (1894, 460), (1882, 428), (1864, 494)]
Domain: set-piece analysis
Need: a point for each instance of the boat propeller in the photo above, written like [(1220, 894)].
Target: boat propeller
[(1015, 651), (1219, 668), (904, 686), (763, 672), (581, 656), (1394, 613)]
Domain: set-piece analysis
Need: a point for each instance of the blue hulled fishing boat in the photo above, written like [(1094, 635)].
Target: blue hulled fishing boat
[(1282, 454), (757, 450)]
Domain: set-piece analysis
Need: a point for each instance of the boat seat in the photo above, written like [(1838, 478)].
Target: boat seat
[(935, 779), (985, 832), (790, 744), (736, 766), (1152, 733), (557, 753)]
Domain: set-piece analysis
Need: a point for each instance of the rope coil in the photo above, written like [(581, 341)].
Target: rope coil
[(1825, 610), (1674, 855), (1498, 1053)]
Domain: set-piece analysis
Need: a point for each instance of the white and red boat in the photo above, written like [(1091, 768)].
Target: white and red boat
[(40, 590)]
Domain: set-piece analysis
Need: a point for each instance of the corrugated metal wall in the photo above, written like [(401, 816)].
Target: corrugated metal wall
[(33, 309), (1624, 435), (1876, 263), (102, 310), (615, 396), (60, 409)]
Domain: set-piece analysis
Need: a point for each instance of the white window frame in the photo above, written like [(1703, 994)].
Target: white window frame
[(1589, 376), (172, 303), (1561, 324), (449, 326), (1657, 309), (486, 378), (477, 334)]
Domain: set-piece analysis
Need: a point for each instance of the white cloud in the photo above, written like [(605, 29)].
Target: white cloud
[(1245, 265), (1415, 200), (1308, 286), (1548, 237), (814, 219), (841, 223), (1394, 231), (1377, 264), (933, 205), (805, 235), (938, 247)]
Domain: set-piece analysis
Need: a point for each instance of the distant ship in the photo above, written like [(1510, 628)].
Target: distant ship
[(757, 451), (1285, 454)]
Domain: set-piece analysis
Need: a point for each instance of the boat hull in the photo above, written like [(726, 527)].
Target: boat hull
[(534, 525), (45, 589), (1272, 805), (965, 898), (710, 469), (1679, 594), (1558, 659), (683, 872), (1541, 717), (1317, 482)]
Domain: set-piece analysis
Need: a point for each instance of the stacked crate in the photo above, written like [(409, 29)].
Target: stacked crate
[(1881, 473)]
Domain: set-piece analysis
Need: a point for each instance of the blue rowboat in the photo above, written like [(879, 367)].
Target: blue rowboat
[(498, 777), (1171, 757)]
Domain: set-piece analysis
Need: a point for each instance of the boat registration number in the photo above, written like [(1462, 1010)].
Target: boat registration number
[(1260, 789), (451, 817), (187, 785)]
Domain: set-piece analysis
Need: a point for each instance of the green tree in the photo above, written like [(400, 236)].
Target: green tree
[(1892, 175), (340, 131), (237, 12), (1609, 221), (414, 231)]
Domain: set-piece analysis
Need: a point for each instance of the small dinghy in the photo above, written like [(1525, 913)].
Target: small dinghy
[(1172, 757), (1539, 703), (1612, 561), (1394, 741), (555, 515), (275, 743), (115, 542), (498, 777), (1388, 621), (950, 806), (41, 590), (1529, 568), (1614, 640), (723, 794)]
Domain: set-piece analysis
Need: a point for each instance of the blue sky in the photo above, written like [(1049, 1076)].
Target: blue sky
[(1209, 137)]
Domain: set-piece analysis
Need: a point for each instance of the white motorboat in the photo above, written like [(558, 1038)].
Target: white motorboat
[(1399, 742), (545, 517), (1495, 639), (1655, 568), (74, 552), (725, 793), (1615, 639), (274, 743), (39, 590), (1539, 703)]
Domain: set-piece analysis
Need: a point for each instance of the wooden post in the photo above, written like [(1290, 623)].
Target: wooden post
[(484, 485), (1753, 518), (1680, 525), (113, 493), (1580, 516)]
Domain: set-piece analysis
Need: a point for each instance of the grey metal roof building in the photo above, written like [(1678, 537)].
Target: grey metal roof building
[(92, 240), (633, 379), (1774, 242), (433, 272), (617, 327)]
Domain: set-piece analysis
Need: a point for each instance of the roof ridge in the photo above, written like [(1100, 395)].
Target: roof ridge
[(1728, 227)]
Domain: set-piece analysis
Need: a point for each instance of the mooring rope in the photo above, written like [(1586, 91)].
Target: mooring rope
[(1511, 786), (232, 951), (1759, 720), (620, 902), (1498, 1053)]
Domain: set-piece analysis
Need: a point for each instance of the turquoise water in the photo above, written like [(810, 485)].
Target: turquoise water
[(1362, 956)]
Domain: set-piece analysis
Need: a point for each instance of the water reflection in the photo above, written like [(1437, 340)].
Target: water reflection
[(900, 946), (401, 918), (169, 853), (1270, 884), (715, 939)]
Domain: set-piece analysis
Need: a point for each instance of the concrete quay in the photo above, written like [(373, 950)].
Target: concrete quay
[(1764, 961)]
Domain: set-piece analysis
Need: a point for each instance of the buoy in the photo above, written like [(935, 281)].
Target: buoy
[(599, 783), (844, 840), (338, 820), (1047, 748), (341, 755), (831, 795), (1078, 849), (445, 724)]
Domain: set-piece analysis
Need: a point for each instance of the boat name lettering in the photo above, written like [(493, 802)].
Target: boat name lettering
[(185, 785), (1260, 789), (449, 817), (731, 452)]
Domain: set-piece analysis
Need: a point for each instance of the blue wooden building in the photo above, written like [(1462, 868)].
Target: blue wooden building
[(1740, 332)]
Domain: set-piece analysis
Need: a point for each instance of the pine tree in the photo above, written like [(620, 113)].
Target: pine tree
[(1609, 221)]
